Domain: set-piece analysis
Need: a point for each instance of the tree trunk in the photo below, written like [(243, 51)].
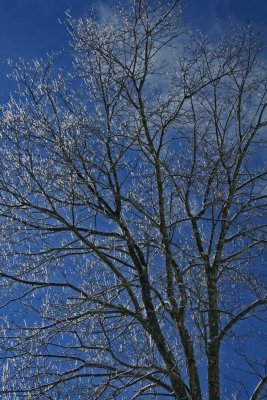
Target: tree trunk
[(213, 347), (214, 371)]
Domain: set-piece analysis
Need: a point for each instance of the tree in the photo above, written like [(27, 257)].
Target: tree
[(131, 196)]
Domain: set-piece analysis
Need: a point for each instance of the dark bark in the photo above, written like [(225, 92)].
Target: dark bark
[(213, 346)]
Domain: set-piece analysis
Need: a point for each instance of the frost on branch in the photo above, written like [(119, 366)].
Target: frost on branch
[(131, 200)]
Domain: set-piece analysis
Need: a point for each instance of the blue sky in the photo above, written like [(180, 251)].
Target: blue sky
[(207, 13), (30, 28)]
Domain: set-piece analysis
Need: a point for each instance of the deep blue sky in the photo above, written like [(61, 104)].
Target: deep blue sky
[(30, 28)]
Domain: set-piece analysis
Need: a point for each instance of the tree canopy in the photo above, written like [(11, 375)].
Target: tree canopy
[(132, 196)]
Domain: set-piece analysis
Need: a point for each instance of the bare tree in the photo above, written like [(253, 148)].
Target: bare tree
[(132, 232)]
